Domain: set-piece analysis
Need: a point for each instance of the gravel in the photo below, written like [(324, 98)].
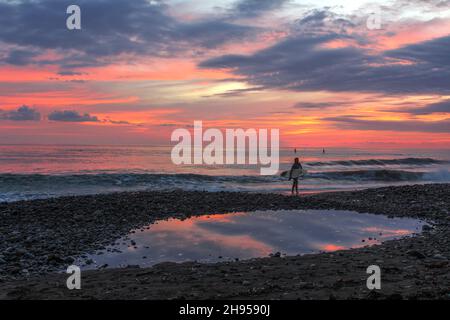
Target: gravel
[(40, 237)]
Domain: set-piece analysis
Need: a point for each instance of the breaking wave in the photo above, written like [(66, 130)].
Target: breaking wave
[(25, 186), (379, 162)]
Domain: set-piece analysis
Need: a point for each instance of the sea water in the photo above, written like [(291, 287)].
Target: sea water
[(29, 172)]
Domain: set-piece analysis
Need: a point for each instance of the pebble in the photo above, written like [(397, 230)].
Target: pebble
[(31, 250), (416, 254)]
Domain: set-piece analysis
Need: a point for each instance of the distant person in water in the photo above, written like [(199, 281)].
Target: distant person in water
[(294, 174)]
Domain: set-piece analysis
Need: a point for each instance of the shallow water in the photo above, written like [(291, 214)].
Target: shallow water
[(225, 237)]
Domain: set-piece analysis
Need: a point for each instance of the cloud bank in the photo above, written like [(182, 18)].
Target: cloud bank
[(24, 113), (71, 116)]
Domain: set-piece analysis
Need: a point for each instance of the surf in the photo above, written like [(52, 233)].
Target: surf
[(379, 162), (15, 187)]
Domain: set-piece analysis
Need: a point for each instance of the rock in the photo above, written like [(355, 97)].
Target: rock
[(275, 255), (438, 264), (54, 258), (416, 254), (28, 255), (395, 296), (69, 260), (374, 295)]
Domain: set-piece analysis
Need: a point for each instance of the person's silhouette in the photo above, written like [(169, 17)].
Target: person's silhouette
[(294, 174)]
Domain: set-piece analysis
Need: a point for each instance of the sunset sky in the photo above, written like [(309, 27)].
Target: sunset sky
[(140, 69)]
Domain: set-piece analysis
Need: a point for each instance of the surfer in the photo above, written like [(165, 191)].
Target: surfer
[(294, 174)]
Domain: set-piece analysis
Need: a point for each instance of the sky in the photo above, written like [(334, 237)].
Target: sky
[(319, 71)]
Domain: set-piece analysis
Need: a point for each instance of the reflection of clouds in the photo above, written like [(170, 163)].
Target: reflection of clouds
[(185, 233), (257, 234), (331, 247), (292, 232), (387, 233), (225, 218)]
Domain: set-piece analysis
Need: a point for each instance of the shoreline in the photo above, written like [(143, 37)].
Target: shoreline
[(42, 236)]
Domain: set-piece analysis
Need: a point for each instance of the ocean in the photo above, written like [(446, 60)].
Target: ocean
[(42, 171)]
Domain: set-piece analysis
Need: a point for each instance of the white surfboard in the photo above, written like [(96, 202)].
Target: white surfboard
[(302, 173)]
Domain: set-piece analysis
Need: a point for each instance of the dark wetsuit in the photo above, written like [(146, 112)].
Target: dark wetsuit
[(294, 174)]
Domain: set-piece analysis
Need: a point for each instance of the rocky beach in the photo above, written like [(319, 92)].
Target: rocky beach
[(40, 238)]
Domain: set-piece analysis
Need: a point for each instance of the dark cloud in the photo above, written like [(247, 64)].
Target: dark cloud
[(322, 21), (71, 116), (20, 57), (296, 50), (255, 8), (70, 73), (118, 122), (210, 34), (435, 53), (439, 107), (280, 112), (303, 63), (24, 113), (167, 125), (109, 28), (318, 105), (350, 123), (426, 4)]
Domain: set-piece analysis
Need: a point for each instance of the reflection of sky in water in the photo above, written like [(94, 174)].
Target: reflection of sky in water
[(249, 235)]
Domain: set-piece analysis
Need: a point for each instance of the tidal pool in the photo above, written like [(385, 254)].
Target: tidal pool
[(225, 237)]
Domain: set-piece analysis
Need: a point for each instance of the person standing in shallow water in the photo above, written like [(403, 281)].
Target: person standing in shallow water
[(294, 174)]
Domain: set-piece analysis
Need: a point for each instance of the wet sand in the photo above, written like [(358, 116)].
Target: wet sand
[(42, 236)]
